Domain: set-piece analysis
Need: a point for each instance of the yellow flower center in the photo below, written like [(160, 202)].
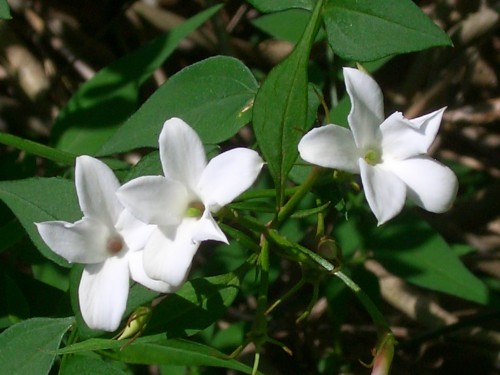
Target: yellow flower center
[(195, 209), (373, 157)]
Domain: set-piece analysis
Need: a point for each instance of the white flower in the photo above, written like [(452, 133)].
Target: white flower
[(389, 154), (108, 240), (182, 201)]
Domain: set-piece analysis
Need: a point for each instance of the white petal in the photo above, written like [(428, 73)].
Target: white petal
[(431, 185), (384, 191), (429, 124), (330, 146), (207, 229), (82, 242), (367, 107), (227, 176), (96, 186), (169, 253), (135, 232), (138, 274), (103, 293), (403, 138), (154, 199), (181, 153)]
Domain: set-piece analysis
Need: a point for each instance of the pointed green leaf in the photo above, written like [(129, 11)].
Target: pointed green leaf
[(214, 96), (158, 350), (178, 352), (41, 199), (281, 105), (29, 347), (104, 102), (365, 30), (411, 249), (267, 6)]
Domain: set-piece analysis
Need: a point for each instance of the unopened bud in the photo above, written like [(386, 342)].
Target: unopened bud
[(136, 322), (330, 250)]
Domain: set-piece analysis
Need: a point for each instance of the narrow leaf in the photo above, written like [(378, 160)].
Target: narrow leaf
[(267, 6), (29, 347), (158, 350), (178, 352), (366, 30), (214, 96), (111, 96), (280, 109)]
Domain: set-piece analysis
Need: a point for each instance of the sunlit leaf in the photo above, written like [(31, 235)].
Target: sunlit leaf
[(281, 106), (214, 96), (365, 30)]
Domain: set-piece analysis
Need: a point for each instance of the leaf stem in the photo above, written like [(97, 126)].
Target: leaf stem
[(303, 189), (38, 149), (367, 303)]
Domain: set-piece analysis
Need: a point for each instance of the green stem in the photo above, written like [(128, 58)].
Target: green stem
[(259, 329), (287, 295), (310, 306), (303, 189), (367, 303), (71, 340), (38, 149), (264, 193), (256, 360)]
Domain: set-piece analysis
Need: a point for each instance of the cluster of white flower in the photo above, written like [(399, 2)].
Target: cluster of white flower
[(150, 228)]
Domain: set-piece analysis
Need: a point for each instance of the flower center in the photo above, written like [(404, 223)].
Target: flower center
[(114, 244), (195, 209), (373, 157)]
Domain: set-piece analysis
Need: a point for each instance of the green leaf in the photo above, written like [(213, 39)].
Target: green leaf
[(214, 96), (28, 347), (366, 30), (411, 249), (149, 165), (158, 350), (198, 304), (287, 25), (104, 102), (281, 105), (177, 352), (41, 199), (4, 10), (82, 364), (267, 6)]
